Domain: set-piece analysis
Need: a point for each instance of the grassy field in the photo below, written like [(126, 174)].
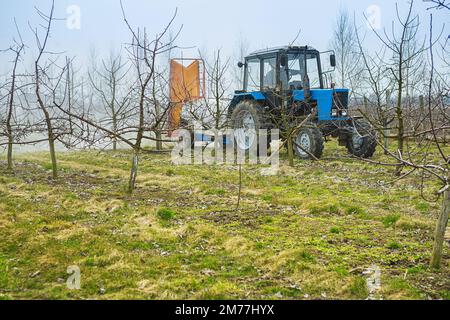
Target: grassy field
[(310, 232)]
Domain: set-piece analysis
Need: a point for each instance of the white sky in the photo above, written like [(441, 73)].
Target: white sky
[(207, 24)]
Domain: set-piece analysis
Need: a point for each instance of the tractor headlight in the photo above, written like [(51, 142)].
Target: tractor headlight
[(334, 113), (344, 113)]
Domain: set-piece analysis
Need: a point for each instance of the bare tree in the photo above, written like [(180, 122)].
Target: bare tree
[(433, 162), (345, 45), (72, 93), (439, 4), (406, 51), (375, 89), (43, 81), (109, 82), (444, 168), (17, 49), (212, 111), (241, 50), (159, 104), (143, 54), (219, 86)]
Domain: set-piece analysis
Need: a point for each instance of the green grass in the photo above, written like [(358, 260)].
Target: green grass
[(335, 230), (390, 220), (358, 288), (166, 214), (394, 245), (309, 232)]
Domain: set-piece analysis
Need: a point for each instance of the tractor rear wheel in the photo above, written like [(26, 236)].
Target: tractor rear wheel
[(247, 119), (362, 140), (309, 142)]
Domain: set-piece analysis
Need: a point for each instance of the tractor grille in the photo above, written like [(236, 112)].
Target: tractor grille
[(340, 100)]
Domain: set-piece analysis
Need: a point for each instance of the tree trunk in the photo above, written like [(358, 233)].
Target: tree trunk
[(401, 129), (399, 112), (439, 233), (51, 143), (290, 150), (158, 137), (365, 104), (10, 112), (400, 136), (422, 111), (115, 132), (422, 105), (133, 171), (385, 123), (10, 149), (48, 121), (386, 136), (51, 137)]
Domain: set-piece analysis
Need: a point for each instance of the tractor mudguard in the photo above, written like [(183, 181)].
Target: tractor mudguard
[(238, 97)]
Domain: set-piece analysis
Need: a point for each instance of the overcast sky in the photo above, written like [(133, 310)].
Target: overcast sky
[(207, 24)]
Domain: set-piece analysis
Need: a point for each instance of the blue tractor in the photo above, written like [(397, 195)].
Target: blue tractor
[(285, 86)]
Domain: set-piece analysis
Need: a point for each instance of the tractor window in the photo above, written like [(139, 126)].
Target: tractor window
[(292, 76), (270, 73), (296, 71), (313, 71), (253, 75)]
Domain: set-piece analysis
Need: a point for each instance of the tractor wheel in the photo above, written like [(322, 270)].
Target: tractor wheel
[(362, 140), (246, 120), (309, 141)]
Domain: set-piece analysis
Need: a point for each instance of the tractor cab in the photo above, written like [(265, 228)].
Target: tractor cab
[(291, 84), (282, 69)]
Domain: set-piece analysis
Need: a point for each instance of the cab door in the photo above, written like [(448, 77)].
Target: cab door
[(253, 71), (269, 77)]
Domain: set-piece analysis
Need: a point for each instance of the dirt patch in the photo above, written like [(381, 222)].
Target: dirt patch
[(246, 218)]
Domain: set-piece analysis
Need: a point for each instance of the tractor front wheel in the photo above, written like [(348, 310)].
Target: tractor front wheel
[(362, 140), (308, 144), (246, 120)]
